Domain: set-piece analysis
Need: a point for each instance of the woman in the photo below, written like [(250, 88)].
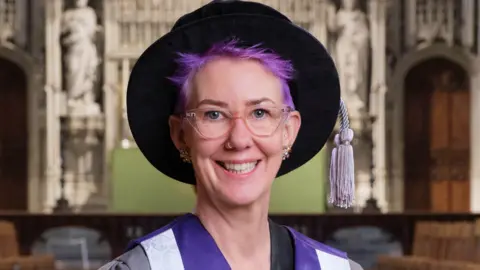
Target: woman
[(209, 105)]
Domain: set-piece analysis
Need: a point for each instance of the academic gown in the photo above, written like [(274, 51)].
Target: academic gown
[(185, 244)]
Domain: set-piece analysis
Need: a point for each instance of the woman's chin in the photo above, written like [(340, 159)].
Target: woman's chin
[(241, 198)]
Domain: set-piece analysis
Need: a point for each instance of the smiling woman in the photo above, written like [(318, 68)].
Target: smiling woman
[(231, 105), (234, 137)]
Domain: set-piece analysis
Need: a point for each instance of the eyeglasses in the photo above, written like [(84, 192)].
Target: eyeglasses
[(212, 123)]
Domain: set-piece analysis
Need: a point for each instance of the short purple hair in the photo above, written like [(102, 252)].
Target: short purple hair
[(189, 64)]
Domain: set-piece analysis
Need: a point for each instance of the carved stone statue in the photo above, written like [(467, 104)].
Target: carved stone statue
[(79, 27), (352, 53)]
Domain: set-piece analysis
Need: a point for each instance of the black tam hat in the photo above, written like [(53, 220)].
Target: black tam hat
[(151, 96)]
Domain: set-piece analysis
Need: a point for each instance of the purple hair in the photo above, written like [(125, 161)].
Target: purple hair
[(189, 64)]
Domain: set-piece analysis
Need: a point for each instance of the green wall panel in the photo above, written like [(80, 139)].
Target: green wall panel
[(139, 188)]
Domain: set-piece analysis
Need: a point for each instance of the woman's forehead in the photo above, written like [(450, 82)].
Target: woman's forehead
[(228, 79)]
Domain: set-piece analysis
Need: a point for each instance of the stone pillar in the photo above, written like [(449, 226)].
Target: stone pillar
[(378, 9), (112, 127), (475, 133), (468, 15), (475, 143), (410, 22), (53, 86), (111, 95), (319, 26)]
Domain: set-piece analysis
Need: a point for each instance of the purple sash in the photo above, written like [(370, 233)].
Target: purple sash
[(185, 244)]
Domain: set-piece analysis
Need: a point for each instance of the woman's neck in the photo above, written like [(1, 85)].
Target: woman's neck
[(241, 233)]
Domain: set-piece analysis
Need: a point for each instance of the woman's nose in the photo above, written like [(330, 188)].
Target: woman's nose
[(240, 136)]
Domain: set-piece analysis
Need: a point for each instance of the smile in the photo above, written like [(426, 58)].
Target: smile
[(238, 168)]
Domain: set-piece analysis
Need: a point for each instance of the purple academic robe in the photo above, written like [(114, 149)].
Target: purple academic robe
[(184, 244)]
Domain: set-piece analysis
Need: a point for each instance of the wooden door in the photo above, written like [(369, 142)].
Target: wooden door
[(437, 138), (13, 137)]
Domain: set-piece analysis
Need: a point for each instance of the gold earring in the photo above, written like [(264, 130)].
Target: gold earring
[(185, 156), (286, 152)]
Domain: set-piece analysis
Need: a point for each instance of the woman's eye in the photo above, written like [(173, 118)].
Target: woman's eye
[(259, 113), (213, 115)]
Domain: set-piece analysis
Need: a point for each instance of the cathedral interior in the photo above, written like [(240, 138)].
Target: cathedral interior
[(410, 77)]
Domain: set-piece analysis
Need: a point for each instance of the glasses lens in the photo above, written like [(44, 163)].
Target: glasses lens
[(265, 120), (211, 123)]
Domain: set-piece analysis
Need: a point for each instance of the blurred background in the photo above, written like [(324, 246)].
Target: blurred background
[(74, 189)]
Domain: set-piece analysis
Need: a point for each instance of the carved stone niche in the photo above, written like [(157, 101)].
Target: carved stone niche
[(81, 46), (82, 147), (87, 129)]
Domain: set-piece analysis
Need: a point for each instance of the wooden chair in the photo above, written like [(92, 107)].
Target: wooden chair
[(452, 241), (454, 265), (28, 263), (423, 245), (403, 263), (439, 246), (8, 239), (476, 236), (460, 242), (6, 264), (45, 262)]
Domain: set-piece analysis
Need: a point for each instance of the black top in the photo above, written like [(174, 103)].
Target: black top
[(282, 245)]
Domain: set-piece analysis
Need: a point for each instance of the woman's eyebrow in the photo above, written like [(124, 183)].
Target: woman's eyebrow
[(213, 102), (259, 101)]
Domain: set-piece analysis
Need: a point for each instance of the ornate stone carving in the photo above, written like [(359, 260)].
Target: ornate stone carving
[(351, 51), (83, 158), (80, 56), (7, 21), (435, 20)]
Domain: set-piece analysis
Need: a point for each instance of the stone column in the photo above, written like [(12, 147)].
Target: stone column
[(410, 22), (468, 15), (475, 143), (378, 9), (112, 121), (53, 86), (111, 97), (319, 26), (475, 132)]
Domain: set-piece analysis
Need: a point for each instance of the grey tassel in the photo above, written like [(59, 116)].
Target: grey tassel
[(342, 168)]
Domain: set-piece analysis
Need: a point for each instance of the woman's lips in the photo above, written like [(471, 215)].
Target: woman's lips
[(239, 168)]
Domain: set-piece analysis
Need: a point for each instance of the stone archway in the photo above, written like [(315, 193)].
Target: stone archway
[(24, 64), (396, 119)]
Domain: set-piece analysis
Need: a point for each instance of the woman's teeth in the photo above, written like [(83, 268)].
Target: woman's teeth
[(239, 168)]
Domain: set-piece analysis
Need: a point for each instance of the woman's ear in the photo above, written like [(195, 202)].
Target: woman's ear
[(292, 126), (176, 132)]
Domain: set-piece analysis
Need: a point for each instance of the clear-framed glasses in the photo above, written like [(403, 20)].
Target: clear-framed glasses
[(212, 123)]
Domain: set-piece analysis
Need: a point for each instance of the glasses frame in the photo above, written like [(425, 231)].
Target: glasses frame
[(190, 115)]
